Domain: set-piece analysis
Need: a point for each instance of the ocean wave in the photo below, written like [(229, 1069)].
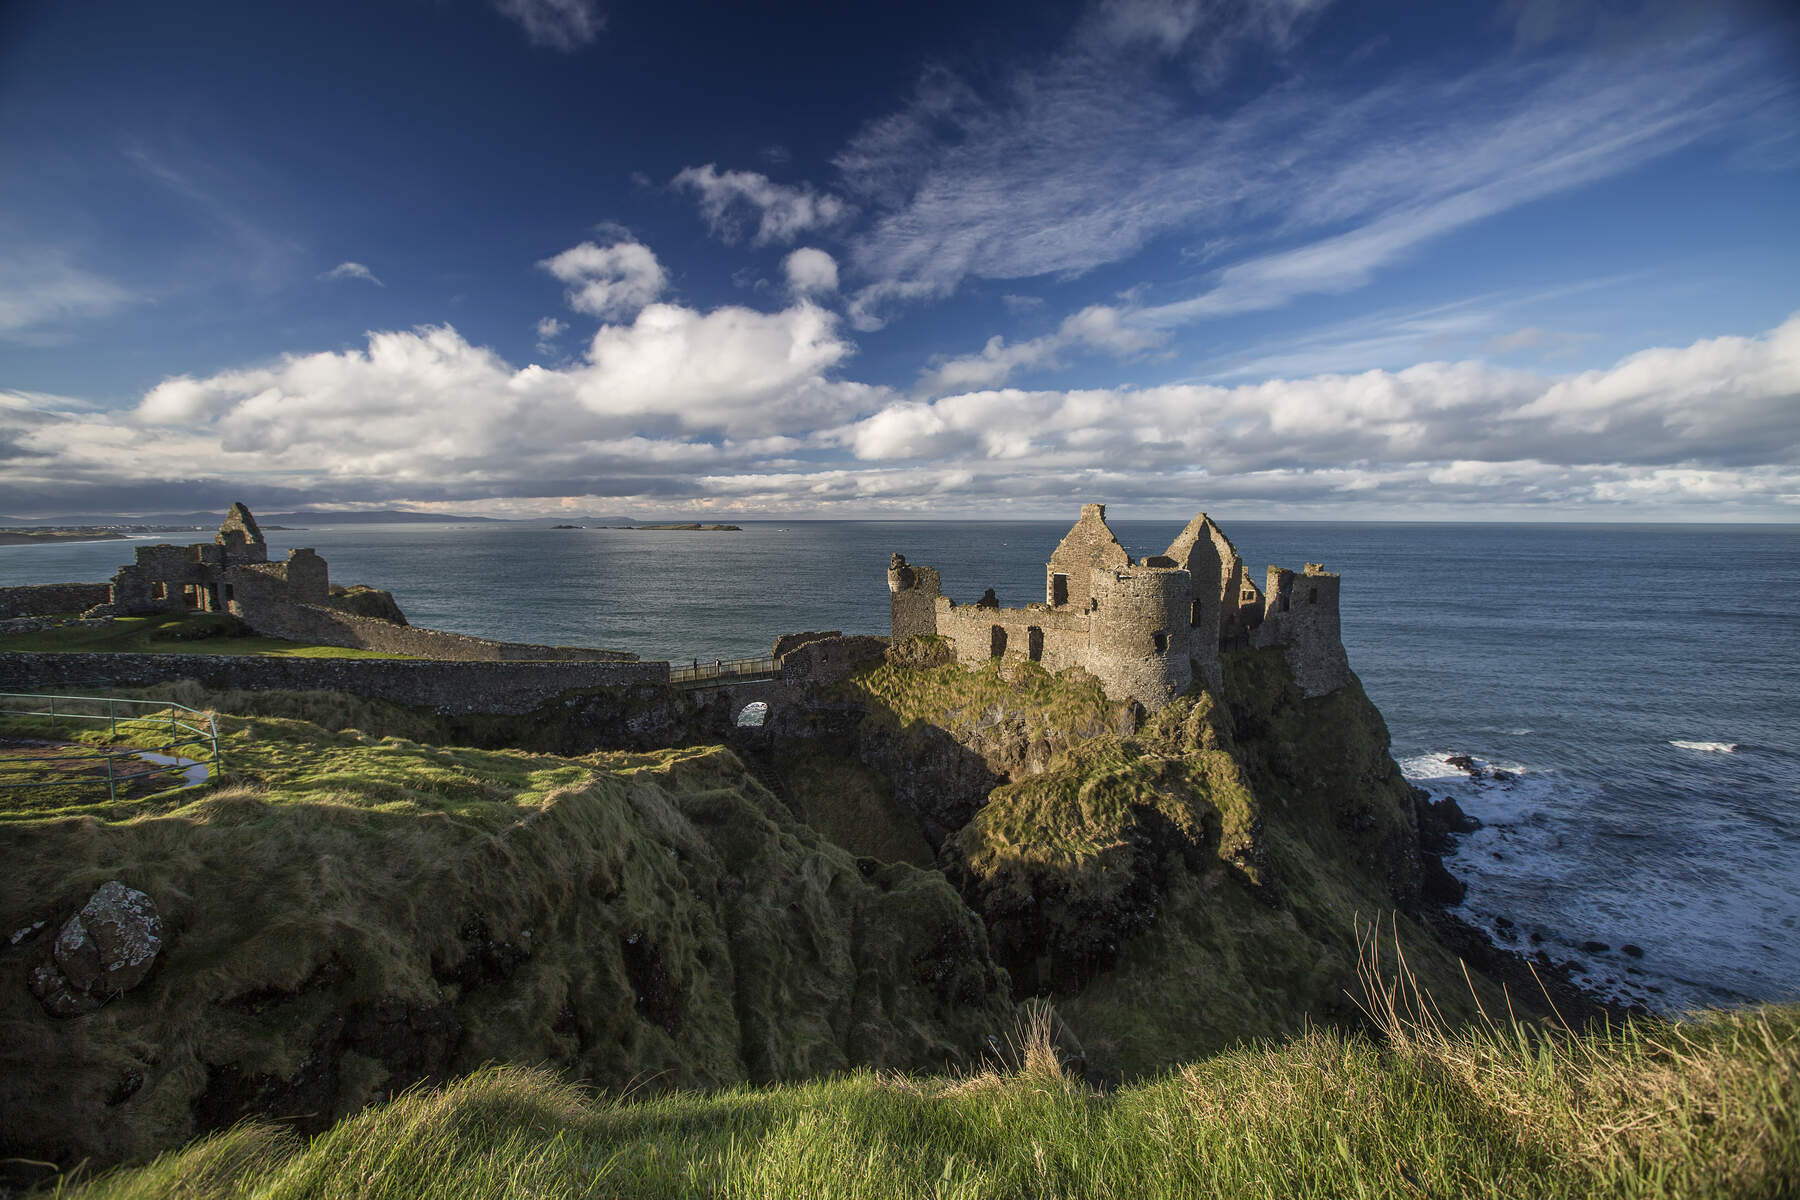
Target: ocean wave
[(1549, 872), (1705, 747)]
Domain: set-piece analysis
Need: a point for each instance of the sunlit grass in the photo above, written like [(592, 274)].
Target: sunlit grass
[(1703, 1107)]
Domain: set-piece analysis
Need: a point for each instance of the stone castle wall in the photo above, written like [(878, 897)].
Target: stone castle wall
[(319, 626), (1055, 638), (45, 599), (506, 688), (1301, 616)]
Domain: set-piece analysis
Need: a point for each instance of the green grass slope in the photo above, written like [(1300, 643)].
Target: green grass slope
[(348, 914), (206, 633), (1178, 883), (1706, 1108)]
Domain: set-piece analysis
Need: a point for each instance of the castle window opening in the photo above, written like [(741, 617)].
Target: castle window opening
[(1312, 596), (752, 715), (230, 592), (1161, 641), (159, 591), (1059, 589), (1284, 602), (1034, 643), (1194, 614), (997, 641), (190, 595)]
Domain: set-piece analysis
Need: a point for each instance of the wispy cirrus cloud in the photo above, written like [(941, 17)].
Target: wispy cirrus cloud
[(565, 25), (42, 291), (1096, 327), (1318, 183), (350, 270), (738, 202)]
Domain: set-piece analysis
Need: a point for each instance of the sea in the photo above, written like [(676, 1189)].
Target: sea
[(1629, 694)]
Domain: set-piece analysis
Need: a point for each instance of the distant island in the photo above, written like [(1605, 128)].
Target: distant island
[(36, 537), (692, 526)]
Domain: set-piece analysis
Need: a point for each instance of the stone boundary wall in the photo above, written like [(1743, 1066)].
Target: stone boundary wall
[(44, 599), (506, 688), (331, 627)]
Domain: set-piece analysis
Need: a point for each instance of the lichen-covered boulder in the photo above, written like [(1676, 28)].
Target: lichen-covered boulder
[(110, 945)]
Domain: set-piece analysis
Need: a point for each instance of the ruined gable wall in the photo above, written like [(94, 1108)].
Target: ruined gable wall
[(1089, 544), (1140, 642), (1203, 551), (1302, 617), (47, 599)]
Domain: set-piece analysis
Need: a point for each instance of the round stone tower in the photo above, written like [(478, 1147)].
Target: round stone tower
[(1139, 640)]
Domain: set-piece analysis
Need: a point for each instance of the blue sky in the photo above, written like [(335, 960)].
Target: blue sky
[(1273, 258)]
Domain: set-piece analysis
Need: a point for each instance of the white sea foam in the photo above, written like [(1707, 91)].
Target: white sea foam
[(1705, 747), (1550, 872)]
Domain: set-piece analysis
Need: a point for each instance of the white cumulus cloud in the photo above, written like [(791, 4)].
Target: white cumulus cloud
[(810, 272), (609, 281)]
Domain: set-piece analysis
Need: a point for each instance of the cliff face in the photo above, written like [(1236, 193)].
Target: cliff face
[(378, 912), (872, 880), (1174, 883)]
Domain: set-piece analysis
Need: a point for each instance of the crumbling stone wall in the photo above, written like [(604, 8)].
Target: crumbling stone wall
[(822, 661), (307, 579), (46, 599), (913, 593), (506, 688), (1302, 617), (275, 617)]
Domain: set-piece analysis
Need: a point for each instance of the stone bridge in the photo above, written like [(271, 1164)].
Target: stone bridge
[(737, 696)]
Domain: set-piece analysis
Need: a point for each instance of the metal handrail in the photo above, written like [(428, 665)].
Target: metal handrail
[(726, 668), (163, 716)]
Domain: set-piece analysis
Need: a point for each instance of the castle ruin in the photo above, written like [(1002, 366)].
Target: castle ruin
[(232, 573), (1146, 629)]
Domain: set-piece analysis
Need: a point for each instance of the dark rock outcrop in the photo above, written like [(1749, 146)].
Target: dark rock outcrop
[(102, 951)]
